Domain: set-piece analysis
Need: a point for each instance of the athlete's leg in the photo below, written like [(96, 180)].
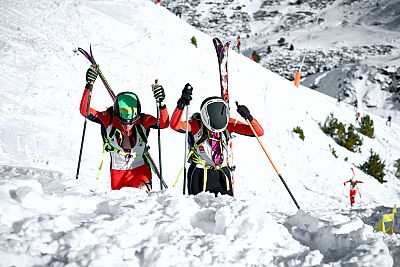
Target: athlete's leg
[(195, 180), (139, 177)]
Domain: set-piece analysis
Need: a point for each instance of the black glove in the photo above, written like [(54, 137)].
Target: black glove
[(185, 97), (91, 75), (159, 93), (244, 112)]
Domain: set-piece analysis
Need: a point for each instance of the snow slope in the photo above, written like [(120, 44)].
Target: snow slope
[(327, 36), (47, 217)]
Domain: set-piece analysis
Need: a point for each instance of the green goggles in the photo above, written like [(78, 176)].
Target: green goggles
[(127, 113)]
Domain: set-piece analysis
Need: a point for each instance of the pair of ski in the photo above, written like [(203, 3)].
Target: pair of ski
[(222, 55), (113, 96)]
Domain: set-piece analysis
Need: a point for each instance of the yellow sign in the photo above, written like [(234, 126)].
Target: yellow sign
[(387, 218)]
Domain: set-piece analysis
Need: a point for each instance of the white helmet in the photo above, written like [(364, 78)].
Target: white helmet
[(214, 113)]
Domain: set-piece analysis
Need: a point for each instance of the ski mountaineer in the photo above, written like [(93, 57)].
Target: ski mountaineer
[(389, 121), (209, 131), (353, 188), (125, 130), (238, 44)]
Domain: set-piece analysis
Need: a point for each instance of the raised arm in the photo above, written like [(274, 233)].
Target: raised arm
[(243, 128), (91, 113), (151, 122)]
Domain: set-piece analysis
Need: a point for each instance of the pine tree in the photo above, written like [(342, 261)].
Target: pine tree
[(352, 140), (347, 138), (367, 126), (330, 125), (374, 166)]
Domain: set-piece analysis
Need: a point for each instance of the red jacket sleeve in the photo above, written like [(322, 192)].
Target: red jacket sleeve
[(180, 126), (235, 126), (92, 114), (150, 121)]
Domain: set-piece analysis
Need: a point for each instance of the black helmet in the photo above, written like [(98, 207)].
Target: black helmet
[(127, 107), (214, 113)]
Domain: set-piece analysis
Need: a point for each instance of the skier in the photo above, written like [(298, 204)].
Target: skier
[(209, 133), (157, 2), (339, 99), (355, 103), (389, 121), (238, 44), (353, 188), (125, 129), (358, 114)]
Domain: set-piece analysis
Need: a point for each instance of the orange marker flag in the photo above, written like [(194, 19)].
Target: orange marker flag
[(297, 77)]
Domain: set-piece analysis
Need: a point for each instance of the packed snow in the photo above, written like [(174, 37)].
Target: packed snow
[(49, 218)]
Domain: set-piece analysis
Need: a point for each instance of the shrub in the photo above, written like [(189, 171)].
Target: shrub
[(333, 127), (333, 151), (291, 47), (350, 140), (374, 166), (281, 41), (367, 126), (256, 57), (299, 131), (397, 166), (347, 138), (330, 125), (194, 41)]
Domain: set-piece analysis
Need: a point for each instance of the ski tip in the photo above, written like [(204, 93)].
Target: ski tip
[(217, 41)]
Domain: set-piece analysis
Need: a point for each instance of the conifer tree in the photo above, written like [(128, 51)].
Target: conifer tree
[(367, 126), (374, 166)]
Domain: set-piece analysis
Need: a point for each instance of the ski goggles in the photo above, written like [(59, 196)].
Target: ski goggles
[(215, 114), (128, 113)]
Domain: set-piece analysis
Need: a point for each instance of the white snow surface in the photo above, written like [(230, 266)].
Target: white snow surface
[(49, 218)]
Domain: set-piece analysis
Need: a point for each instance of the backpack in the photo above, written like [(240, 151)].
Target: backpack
[(106, 144), (193, 144), (107, 147)]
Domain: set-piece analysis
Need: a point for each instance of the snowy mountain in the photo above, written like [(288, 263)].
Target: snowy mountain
[(322, 38), (49, 218)]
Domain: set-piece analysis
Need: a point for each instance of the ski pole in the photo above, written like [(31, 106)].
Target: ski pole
[(270, 160), (159, 144), (154, 167), (159, 135), (184, 158), (83, 134)]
